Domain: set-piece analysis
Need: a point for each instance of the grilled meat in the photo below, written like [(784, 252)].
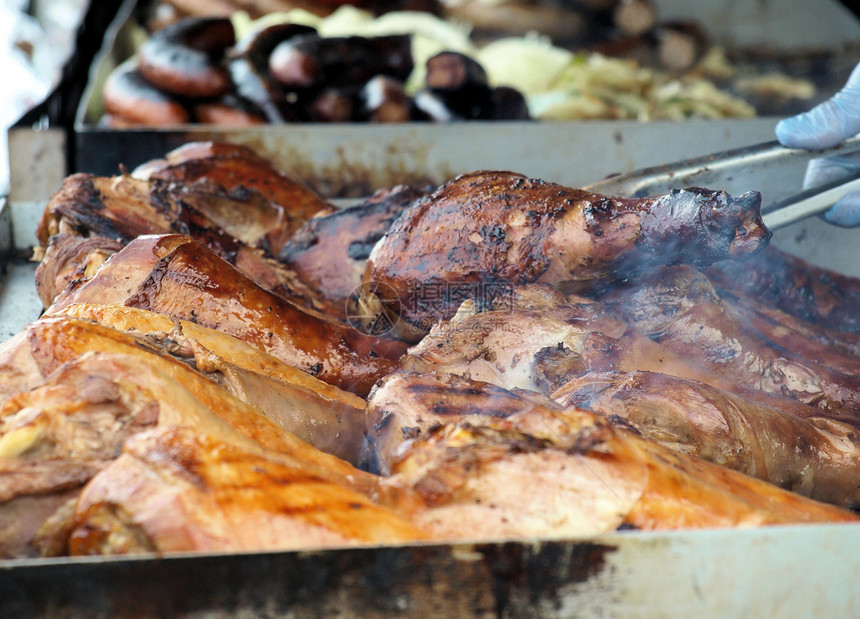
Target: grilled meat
[(540, 341), (816, 457), (678, 307), (833, 348), (328, 418), (238, 227), (185, 391), (69, 257), (54, 438), (329, 253), (238, 169), (174, 489), (779, 280), (195, 357), (182, 279), (537, 469), (74, 391), (486, 231)]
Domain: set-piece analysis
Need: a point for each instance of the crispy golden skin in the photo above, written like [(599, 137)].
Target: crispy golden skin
[(182, 279), (173, 489), (529, 468)]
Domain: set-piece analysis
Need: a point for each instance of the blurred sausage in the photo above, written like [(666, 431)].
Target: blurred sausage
[(182, 58), (129, 98)]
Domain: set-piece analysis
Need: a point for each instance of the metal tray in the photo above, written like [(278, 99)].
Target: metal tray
[(772, 572)]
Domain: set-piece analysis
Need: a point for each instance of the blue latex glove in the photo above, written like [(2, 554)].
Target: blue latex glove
[(824, 126)]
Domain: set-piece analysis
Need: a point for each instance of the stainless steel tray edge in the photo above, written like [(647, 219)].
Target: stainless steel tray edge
[(797, 571)]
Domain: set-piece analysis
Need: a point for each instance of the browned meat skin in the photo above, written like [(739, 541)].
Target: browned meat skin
[(541, 348), (117, 208), (123, 208), (69, 257), (780, 280), (816, 457), (581, 474), (328, 418), (239, 169), (28, 359), (486, 231), (82, 389), (329, 253), (678, 307), (174, 489), (771, 321), (182, 279), (837, 350), (405, 406)]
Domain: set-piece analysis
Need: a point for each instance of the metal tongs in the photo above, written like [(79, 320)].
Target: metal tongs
[(745, 168)]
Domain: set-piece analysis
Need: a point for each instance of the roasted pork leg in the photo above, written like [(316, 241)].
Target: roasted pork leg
[(182, 279), (328, 418), (238, 169), (238, 226), (69, 257), (817, 457), (56, 436), (779, 280), (537, 469), (74, 391), (483, 232), (539, 341), (174, 489), (329, 253), (28, 359), (678, 307)]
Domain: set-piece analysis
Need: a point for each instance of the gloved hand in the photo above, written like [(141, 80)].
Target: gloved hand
[(826, 125)]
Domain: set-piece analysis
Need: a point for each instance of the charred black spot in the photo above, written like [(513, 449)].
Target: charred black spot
[(540, 572), (150, 287), (410, 432), (360, 250), (385, 418), (492, 234)]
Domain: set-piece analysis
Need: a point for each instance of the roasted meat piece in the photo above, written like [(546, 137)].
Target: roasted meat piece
[(69, 257), (833, 348), (817, 457), (195, 358), (486, 231), (236, 226), (238, 169), (678, 307), (174, 489), (537, 469), (539, 340), (54, 438), (329, 253), (74, 391), (328, 418), (779, 280), (182, 279)]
